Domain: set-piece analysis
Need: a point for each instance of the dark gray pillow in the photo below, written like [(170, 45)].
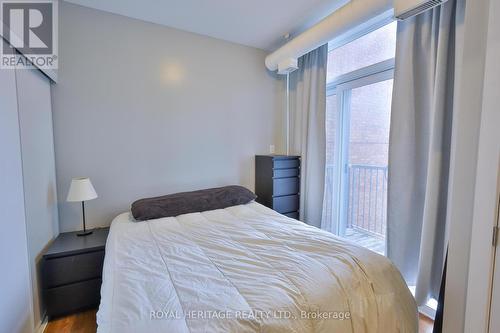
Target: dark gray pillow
[(191, 202)]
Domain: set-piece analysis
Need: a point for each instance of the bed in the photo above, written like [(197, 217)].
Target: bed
[(245, 268)]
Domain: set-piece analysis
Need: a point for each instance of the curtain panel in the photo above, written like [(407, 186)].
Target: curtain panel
[(419, 149), (307, 130)]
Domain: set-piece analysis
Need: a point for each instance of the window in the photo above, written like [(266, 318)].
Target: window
[(359, 94), (369, 49)]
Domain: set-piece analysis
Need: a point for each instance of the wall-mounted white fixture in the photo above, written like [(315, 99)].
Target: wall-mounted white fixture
[(287, 66), (404, 9), (339, 22)]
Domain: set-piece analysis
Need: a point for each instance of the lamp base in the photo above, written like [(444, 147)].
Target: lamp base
[(84, 233)]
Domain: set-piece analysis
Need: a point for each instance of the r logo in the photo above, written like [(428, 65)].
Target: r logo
[(28, 27)]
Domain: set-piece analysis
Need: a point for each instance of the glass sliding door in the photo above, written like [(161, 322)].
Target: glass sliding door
[(367, 163), (357, 159), (359, 95)]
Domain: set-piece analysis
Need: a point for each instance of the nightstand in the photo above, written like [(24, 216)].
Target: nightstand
[(72, 272)]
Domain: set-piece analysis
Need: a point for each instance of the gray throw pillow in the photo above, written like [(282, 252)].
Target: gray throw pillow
[(191, 202)]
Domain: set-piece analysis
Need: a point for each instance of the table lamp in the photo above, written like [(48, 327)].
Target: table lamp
[(81, 189)]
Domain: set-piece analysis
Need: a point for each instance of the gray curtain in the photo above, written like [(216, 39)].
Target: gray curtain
[(419, 150), (307, 130)]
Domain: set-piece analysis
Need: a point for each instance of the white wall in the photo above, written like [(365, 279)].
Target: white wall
[(466, 131), (485, 198), (15, 289), (37, 149), (146, 110)]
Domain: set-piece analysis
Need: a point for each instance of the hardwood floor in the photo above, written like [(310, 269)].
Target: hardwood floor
[(425, 324), (84, 322)]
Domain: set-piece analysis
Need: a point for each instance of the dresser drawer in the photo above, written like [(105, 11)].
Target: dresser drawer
[(293, 215), (286, 204), (72, 297), (283, 173), (285, 186), (286, 163), (74, 268)]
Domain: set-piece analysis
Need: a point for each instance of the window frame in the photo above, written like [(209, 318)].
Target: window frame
[(362, 29)]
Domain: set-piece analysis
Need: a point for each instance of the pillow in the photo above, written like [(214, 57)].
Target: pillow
[(191, 202)]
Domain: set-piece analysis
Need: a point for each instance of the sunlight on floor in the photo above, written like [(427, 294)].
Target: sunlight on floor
[(365, 239)]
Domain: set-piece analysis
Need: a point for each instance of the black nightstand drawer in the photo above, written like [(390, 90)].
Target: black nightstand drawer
[(286, 204), (286, 186), (282, 173), (286, 163), (70, 269), (71, 298)]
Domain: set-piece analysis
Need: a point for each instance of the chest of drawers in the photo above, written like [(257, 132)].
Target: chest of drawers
[(277, 183)]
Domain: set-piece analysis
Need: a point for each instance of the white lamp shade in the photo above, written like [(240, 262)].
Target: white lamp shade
[(81, 189)]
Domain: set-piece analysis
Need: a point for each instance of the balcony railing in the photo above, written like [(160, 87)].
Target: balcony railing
[(367, 198)]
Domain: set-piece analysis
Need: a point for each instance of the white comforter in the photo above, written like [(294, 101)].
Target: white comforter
[(245, 269)]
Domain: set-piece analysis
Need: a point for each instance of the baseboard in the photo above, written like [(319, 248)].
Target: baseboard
[(427, 311), (43, 325)]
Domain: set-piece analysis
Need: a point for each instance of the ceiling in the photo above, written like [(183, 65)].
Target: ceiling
[(257, 23)]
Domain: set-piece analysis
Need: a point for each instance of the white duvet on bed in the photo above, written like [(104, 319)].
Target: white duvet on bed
[(245, 269)]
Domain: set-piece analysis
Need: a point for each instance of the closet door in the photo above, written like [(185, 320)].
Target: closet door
[(37, 149), (15, 300)]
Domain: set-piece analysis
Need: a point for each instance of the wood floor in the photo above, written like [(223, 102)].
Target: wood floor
[(84, 322), (425, 324)]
